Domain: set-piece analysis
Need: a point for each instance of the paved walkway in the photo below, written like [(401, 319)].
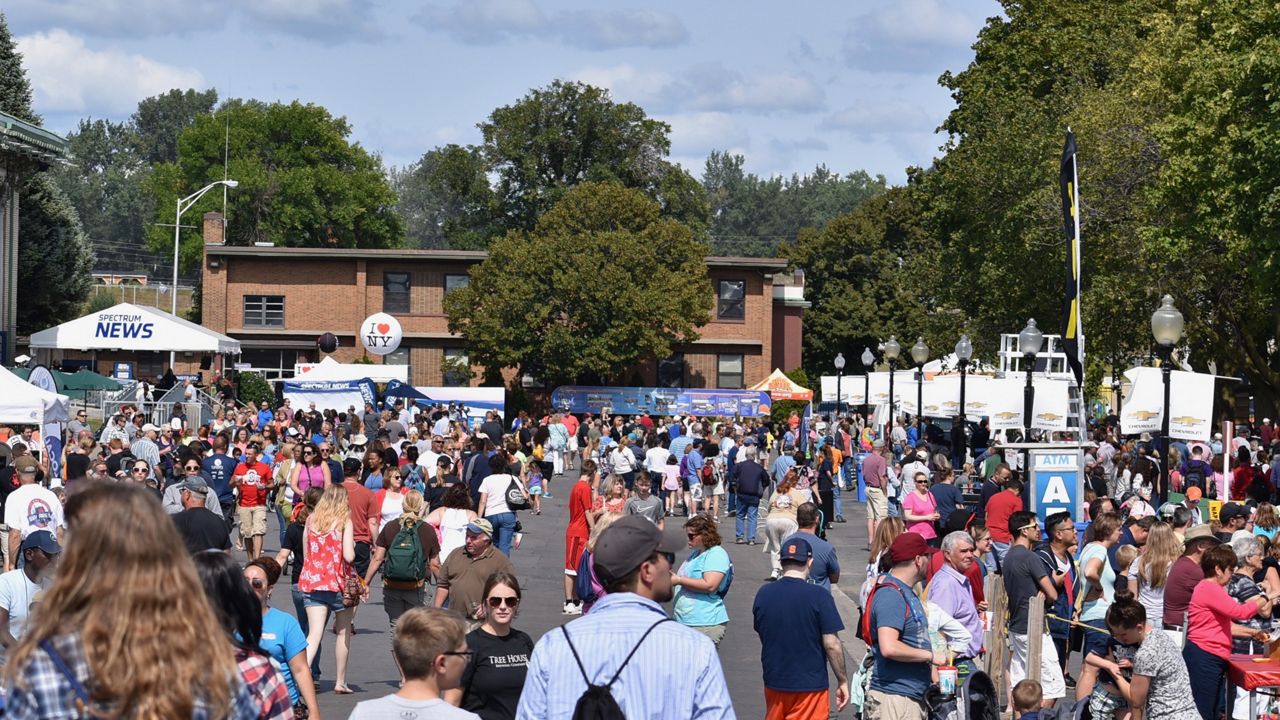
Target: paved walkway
[(539, 565)]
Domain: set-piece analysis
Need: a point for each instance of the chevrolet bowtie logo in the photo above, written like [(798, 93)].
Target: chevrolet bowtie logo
[(950, 404), (1187, 420), (1142, 414), (1049, 417), (977, 405), (1006, 415), (930, 407)]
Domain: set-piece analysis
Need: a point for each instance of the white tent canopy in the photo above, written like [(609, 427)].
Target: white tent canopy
[(22, 403), (330, 370), (134, 327)]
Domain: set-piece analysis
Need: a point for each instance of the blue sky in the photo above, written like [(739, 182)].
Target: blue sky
[(849, 84)]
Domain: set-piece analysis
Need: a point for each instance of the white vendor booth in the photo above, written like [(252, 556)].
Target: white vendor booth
[(134, 327), (22, 403)]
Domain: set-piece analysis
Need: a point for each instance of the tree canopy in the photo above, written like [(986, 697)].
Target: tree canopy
[(601, 282), (302, 182)]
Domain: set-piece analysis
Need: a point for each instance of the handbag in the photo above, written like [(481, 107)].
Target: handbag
[(515, 495), (352, 587)]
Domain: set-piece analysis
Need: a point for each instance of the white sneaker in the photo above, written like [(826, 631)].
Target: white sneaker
[(568, 609), (572, 609)]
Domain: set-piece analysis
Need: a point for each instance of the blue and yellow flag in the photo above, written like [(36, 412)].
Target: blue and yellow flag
[(1072, 323)]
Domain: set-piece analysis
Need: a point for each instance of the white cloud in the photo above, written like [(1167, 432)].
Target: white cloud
[(914, 36), (332, 20), (711, 88), (608, 30), (67, 75), (488, 22), (880, 116), (484, 22), (697, 134)]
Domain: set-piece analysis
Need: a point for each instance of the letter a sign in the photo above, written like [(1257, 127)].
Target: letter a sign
[(1057, 482)]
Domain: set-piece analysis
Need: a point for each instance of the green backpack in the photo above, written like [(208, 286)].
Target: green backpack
[(405, 560)]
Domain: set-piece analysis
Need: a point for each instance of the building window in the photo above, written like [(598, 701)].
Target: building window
[(455, 282), (456, 369), (264, 311), (671, 371), (151, 365), (729, 372), (395, 292), (731, 300), (399, 356)]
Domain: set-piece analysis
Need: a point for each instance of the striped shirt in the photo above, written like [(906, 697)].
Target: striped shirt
[(674, 675)]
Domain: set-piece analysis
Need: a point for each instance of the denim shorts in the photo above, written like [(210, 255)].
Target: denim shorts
[(1096, 642), (331, 599)]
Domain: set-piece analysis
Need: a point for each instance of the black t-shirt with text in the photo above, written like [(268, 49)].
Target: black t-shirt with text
[(491, 684)]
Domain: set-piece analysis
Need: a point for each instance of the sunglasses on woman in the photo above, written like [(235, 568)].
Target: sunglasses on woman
[(510, 601), (190, 468)]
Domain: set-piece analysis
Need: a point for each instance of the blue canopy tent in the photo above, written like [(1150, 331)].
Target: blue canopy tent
[(397, 389)]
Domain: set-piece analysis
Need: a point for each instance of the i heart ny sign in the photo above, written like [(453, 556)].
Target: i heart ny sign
[(380, 333)]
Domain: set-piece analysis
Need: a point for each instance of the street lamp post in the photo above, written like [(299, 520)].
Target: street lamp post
[(891, 351), (1116, 388), (920, 354), (839, 363), (964, 352), (1166, 326), (184, 204), (868, 360), (1029, 342)]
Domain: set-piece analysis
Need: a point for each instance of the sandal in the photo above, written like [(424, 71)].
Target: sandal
[(342, 690)]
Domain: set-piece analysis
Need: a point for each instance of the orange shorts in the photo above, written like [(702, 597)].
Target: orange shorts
[(781, 705), (573, 547)]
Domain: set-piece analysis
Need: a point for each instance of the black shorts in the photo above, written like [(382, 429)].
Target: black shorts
[(361, 563)]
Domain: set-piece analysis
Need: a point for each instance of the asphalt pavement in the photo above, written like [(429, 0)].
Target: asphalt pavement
[(539, 563)]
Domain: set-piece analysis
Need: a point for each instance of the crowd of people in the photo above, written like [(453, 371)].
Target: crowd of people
[(431, 507), (1139, 594)]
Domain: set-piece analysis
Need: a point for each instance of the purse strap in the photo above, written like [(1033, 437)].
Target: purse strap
[(82, 694)]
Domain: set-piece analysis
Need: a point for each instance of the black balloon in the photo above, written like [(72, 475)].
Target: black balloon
[(327, 342)]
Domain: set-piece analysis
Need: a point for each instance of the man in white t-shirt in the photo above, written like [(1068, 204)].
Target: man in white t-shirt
[(20, 588), (30, 508)]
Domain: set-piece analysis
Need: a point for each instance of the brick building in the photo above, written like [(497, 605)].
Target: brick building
[(276, 301)]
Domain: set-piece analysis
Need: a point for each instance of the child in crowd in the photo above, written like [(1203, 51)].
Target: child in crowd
[(616, 499), (533, 481), (645, 504), (1027, 696)]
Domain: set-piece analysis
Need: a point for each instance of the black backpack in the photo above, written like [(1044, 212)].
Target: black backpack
[(598, 703), (1194, 476)]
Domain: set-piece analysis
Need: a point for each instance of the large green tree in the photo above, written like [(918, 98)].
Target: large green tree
[(302, 182), (54, 259), (536, 150), (601, 282), (872, 273), (445, 199), (753, 215)]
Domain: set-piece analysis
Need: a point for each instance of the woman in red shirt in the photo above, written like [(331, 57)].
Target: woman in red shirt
[(1242, 475), (1209, 621)]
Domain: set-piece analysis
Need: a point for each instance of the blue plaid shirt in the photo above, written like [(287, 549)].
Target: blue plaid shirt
[(674, 675), (43, 692)]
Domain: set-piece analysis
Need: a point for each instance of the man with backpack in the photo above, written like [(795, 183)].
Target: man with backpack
[(1195, 471), (408, 552), (896, 629), (626, 658)]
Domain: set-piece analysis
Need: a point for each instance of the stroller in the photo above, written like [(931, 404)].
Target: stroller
[(981, 702)]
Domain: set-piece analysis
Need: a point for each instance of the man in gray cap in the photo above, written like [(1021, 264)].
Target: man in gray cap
[(875, 474), (201, 528), (654, 668)]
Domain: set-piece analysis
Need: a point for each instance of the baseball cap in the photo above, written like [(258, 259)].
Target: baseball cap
[(1194, 493), (1231, 511), (26, 464), (796, 549), (908, 546), (627, 544), (352, 466), (195, 484), (1167, 510), (150, 428), (877, 443), (480, 525), (42, 539)]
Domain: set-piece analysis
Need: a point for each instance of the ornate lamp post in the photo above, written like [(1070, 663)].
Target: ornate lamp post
[(1166, 326), (868, 360), (891, 351), (920, 354), (839, 363), (1029, 342), (964, 352)]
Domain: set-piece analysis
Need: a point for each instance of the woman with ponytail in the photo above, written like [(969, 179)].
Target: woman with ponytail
[(1159, 686)]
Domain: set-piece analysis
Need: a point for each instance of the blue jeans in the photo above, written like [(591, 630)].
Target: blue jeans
[(835, 498), (1206, 681), (850, 473), (748, 512), (300, 610), (504, 530), (284, 525)]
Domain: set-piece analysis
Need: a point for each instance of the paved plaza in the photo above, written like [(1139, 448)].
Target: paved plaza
[(539, 565)]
